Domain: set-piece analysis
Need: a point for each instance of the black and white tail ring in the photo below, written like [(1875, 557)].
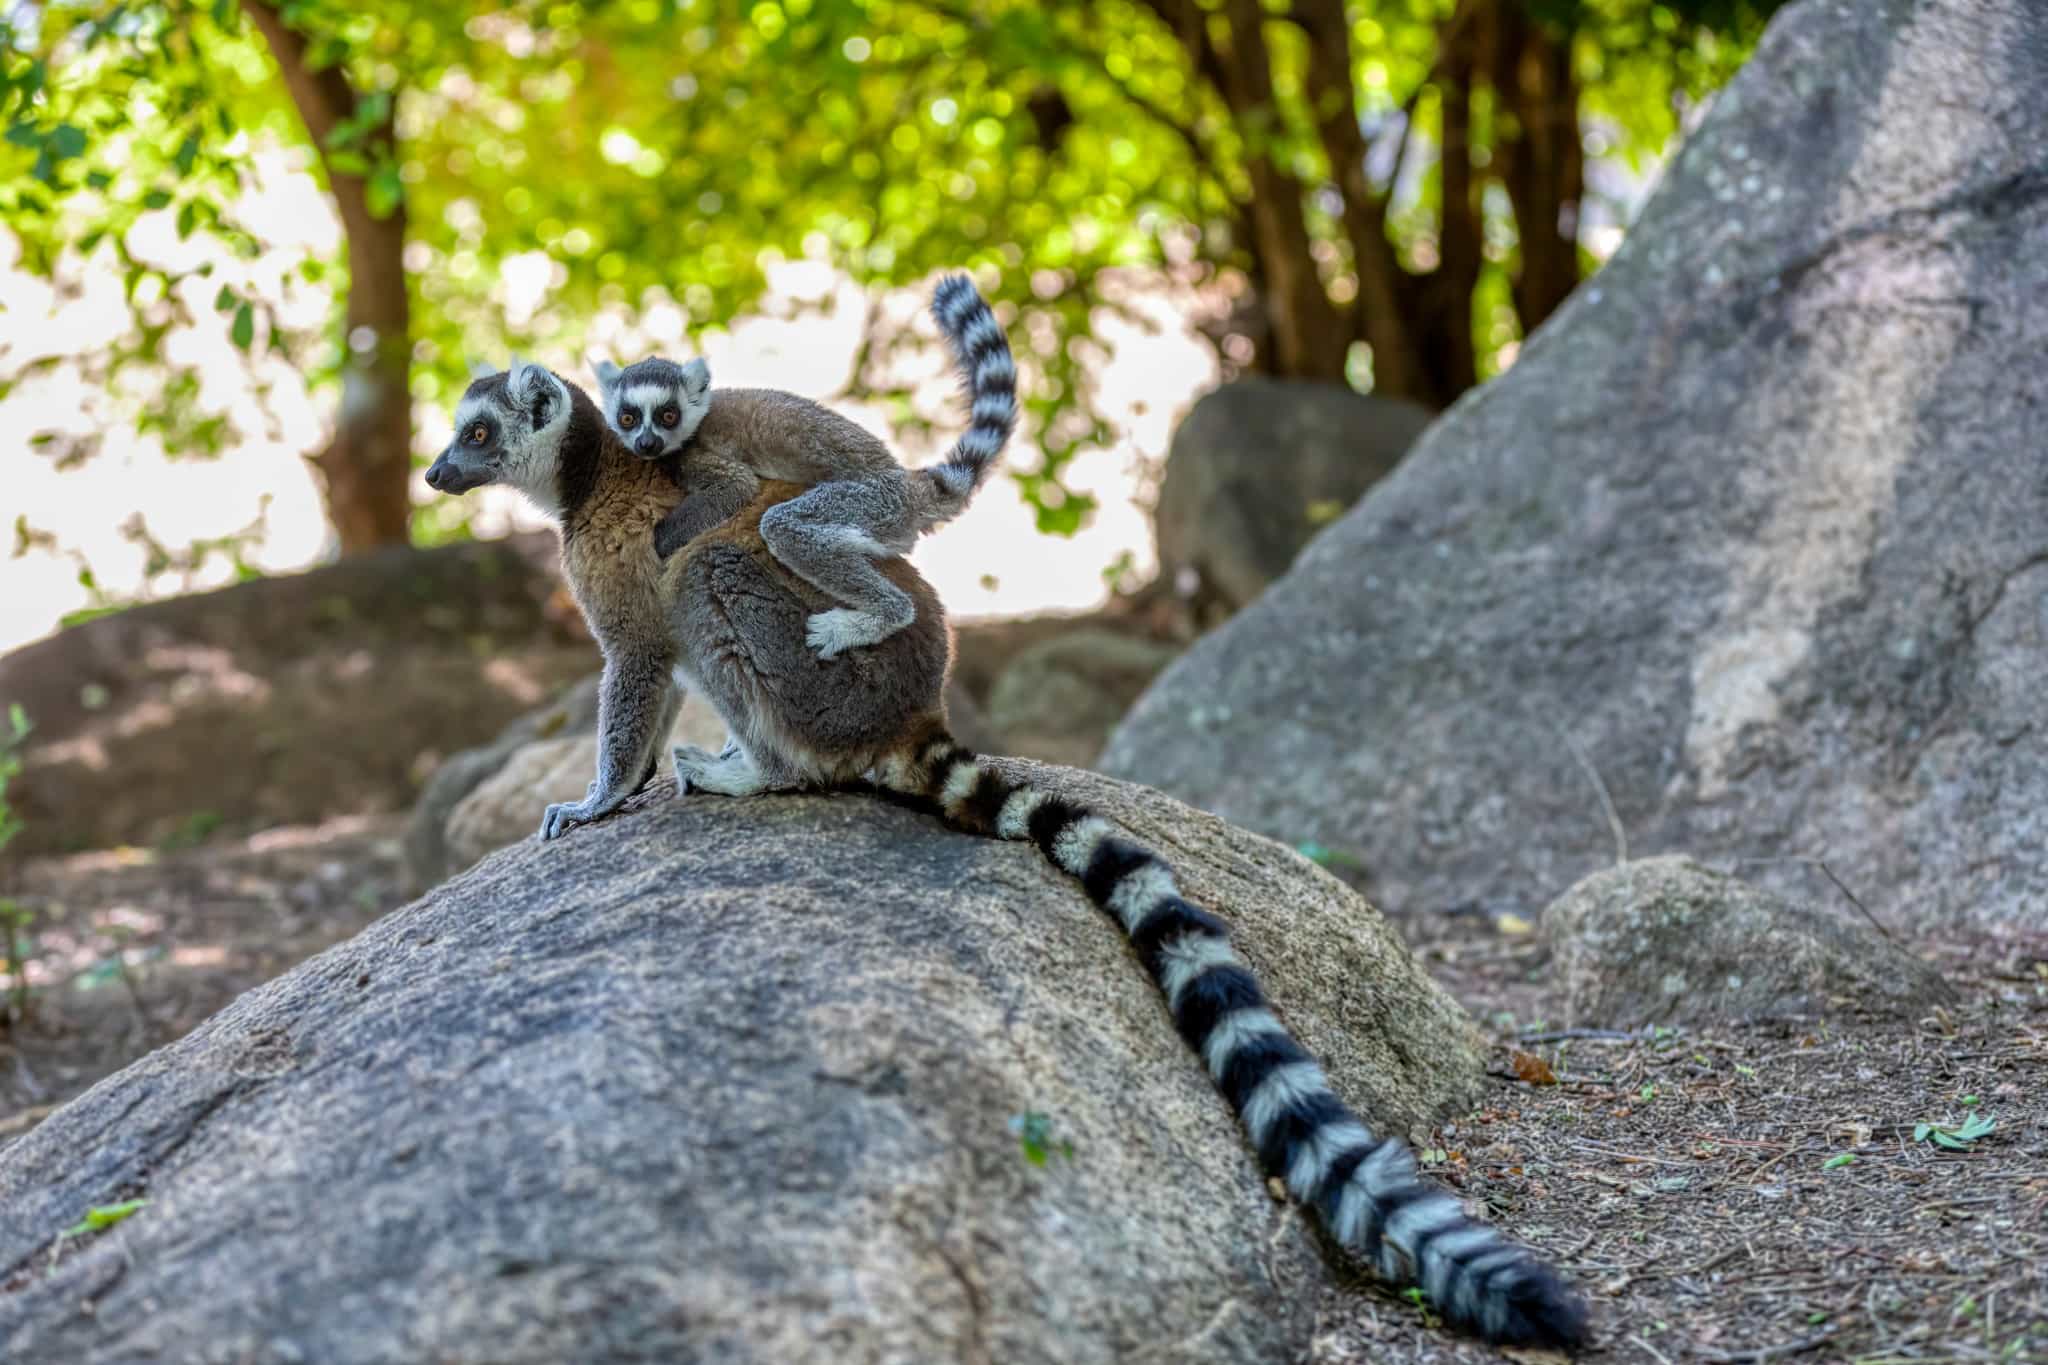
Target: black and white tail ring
[(1365, 1188), (983, 355)]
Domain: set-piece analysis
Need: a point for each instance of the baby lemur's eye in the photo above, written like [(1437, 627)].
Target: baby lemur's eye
[(478, 434), (668, 416), (628, 419)]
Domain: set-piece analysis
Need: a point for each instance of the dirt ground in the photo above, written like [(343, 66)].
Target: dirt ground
[(1753, 1192), (136, 946), (1756, 1192)]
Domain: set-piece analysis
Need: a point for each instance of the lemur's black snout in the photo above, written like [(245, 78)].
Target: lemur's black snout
[(650, 444), (449, 474)]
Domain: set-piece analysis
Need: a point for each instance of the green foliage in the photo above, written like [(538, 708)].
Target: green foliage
[(194, 830), (1955, 1137), (102, 1216), (98, 1218), (16, 919), (1035, 1137), (658, 151), (1839, 1160)]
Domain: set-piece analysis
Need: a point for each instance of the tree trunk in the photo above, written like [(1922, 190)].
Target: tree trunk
[(368, 465), (1310, 339), (1420, 326), (1447, 294), (1385, 313), (1541, 162)]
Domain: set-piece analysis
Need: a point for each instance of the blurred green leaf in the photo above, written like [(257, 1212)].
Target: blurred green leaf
[(384, 190), (66, 140)]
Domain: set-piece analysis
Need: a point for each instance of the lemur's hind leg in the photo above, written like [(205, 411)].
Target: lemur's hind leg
[(832, 536), (732, 773)]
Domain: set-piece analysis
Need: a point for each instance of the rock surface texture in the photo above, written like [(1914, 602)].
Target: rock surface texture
[(1747, 556), (1260, 465), (733, 1081), (1667, 941), (310, 694)]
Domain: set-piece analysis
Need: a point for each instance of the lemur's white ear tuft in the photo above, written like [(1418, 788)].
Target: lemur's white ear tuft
[(606, 372), (531, 383), (480, 369), (696, 376)]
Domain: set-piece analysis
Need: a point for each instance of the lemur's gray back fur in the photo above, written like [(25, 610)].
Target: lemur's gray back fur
[(659, 407), (734, 625), (864, 506)]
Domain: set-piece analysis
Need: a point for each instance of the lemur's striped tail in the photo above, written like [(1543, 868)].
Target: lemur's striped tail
[(983, 355), (1366, 1188)]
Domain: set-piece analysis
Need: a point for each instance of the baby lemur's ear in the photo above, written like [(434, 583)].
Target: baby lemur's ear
[(696, 377), (607, 374)]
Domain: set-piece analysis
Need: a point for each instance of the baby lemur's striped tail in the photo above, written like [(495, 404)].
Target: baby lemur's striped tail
[(983, 355), (1366, 1188)]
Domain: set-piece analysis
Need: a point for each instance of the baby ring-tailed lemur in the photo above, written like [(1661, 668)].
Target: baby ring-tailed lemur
[(728, 617), (864, 505)]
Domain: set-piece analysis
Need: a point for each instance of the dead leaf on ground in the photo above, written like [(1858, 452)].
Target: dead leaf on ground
[(1532, 1069)]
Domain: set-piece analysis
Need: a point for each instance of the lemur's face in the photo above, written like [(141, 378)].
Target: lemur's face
[(655, 406), (508, 429)]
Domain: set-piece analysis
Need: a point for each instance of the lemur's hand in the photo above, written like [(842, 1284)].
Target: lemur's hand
[(563, 816)]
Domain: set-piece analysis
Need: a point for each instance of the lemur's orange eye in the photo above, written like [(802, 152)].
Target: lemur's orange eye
[(628, 419), (478, 434), (668, 417)]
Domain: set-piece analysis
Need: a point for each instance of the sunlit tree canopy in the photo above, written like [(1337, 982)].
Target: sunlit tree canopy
[(1391, 193)]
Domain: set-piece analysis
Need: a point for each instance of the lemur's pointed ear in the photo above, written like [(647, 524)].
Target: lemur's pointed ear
[(480, 369), (532, 385), (606, 372), (696, 376)]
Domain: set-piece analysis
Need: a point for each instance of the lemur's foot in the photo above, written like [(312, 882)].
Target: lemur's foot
[(731, 774), (832, 633)]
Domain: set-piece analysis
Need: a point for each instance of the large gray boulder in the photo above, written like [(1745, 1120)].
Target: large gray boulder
[(1059, 699), (724, 1080), (283, 700), (1259, 466), (1668, 941), (1748, 553)]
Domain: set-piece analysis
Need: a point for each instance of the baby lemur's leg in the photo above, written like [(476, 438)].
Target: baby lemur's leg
[(636, 708), (716, 493), (831, 536)]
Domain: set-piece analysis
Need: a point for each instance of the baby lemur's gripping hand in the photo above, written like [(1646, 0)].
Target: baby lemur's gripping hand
[(718, 490)]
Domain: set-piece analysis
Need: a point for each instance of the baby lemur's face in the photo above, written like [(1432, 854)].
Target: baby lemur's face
[(655, 405)]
